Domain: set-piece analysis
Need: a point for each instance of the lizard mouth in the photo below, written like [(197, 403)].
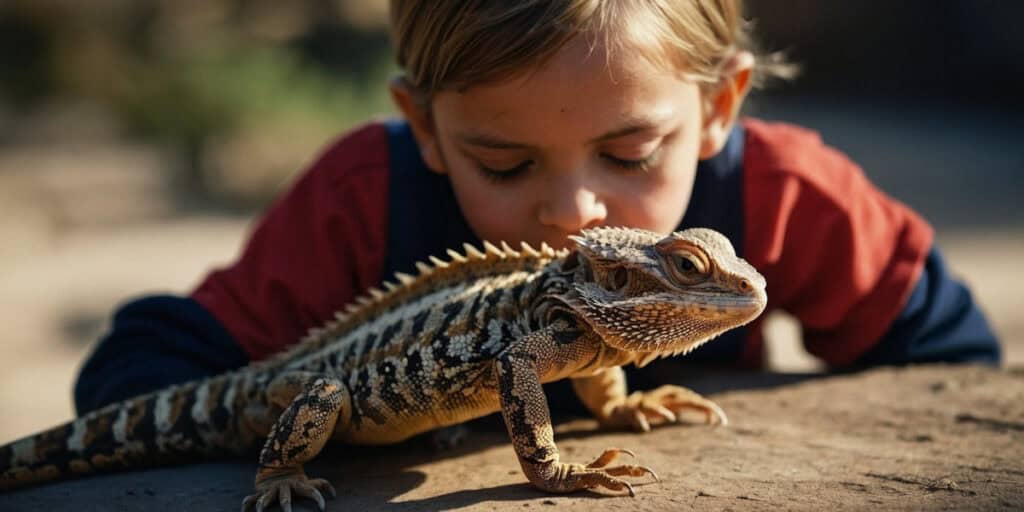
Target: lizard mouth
[(717, 316), (751, 303)]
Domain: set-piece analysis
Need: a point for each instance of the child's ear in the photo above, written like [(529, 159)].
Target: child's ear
[(405, 98), (724, 101)]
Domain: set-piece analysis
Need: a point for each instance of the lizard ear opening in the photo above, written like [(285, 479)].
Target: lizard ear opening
[(618, 278), (576, 263), (571, 262)]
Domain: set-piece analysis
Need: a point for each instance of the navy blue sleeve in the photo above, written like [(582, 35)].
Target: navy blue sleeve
[(940, 323), (155, 342)]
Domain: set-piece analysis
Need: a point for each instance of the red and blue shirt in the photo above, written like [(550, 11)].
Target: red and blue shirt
[(857, 268)]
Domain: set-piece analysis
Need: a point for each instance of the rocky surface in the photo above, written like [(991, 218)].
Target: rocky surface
[(920, 438)]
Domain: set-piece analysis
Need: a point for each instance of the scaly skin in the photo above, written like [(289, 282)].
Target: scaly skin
[(467, 337)]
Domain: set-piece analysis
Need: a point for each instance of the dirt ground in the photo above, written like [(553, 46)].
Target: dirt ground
[(924, 438)]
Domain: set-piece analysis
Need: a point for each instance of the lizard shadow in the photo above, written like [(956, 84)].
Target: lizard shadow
[(375, 476), (464, 498), (368, 477), (523, 492), (706, 380), (371, 479)]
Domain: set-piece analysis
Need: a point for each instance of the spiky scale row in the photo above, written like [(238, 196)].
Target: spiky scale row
[(405, 286), (376, 296)]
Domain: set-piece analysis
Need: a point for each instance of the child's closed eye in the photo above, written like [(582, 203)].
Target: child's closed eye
[(641, 164), (498, 175)]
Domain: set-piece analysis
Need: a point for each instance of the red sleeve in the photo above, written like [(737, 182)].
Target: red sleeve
[(317, 246), (837, 253)]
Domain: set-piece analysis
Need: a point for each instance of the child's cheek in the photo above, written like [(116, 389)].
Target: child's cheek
[(656, 203), (492, 208)]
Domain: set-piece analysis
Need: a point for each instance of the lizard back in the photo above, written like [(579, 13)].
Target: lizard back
[(418, 356)]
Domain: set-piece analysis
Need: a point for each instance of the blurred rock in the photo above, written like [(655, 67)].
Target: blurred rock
[(58, 122), (77, 186), (249, 167)]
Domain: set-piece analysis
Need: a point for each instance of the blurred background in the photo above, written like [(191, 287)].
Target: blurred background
[(138, 140)]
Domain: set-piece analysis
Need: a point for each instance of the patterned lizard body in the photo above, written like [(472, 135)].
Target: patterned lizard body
[(469, 336)]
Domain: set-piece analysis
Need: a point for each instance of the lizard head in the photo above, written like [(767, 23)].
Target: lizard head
[(654, 295)]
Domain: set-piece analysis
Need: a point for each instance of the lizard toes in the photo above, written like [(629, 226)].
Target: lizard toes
[(249, 501), (264, 501), (282, 488), (324, 486), (313, 494)]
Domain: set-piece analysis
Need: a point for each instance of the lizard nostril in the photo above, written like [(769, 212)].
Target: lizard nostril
[(745, 285)]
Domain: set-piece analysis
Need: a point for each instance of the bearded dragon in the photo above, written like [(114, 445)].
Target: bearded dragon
[(474, 334)]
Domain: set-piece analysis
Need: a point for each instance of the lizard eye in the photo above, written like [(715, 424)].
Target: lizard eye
[(688, 268), (685, 264)]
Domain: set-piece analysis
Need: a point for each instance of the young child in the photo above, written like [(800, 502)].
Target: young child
[(530, 120)]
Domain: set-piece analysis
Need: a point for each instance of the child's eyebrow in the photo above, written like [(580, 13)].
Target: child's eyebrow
[(635, 126), (494, 142), (490, 141)]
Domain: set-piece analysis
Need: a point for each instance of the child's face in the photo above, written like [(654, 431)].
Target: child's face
[(588, 139)]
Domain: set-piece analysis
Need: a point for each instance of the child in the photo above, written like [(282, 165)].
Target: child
[(530, 120)]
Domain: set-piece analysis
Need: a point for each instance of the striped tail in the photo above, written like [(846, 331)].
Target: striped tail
[(176, 424)]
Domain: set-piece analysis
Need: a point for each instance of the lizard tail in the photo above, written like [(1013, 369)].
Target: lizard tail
[(202, 417)]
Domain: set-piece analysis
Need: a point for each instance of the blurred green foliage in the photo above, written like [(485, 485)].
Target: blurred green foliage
[(211, 93), (199, 75)]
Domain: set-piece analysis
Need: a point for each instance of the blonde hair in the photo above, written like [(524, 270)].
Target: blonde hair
[(443, 44)]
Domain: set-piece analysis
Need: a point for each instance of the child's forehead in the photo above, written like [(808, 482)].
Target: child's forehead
[(583, 100), (583, 68)]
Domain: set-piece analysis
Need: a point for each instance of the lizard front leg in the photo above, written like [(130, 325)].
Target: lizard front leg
[(528, 419), (299, 434), (605, 395)]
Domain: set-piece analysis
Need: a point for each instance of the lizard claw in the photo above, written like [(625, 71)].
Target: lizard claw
[(642, 409), (608, 456), (281, 486), (570, 477), (629, 489), (248, 502)]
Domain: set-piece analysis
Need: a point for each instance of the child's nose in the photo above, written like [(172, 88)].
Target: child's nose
[(572, 211)]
